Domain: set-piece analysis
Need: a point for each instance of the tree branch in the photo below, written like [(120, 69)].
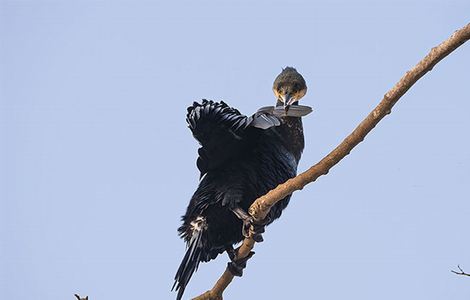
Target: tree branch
[(461, 272), (260, 208)]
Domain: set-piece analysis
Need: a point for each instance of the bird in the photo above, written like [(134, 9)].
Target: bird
[(240, 159)]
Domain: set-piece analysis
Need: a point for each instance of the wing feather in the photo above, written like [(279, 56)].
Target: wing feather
[(221, 131)]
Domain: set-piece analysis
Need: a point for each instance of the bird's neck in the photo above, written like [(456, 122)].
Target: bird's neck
[(293, 135)]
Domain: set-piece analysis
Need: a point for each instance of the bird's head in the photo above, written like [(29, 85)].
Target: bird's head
[(289, 87)]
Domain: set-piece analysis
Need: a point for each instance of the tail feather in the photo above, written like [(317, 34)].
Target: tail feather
[(191, 259)]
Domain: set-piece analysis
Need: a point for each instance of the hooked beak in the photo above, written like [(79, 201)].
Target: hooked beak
[(287, 99)]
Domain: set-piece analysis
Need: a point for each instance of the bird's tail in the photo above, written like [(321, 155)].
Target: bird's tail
[(192, 258)]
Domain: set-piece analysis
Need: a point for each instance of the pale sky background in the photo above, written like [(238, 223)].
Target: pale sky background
[(97, 164)]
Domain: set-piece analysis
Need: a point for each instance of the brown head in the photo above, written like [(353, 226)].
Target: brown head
[(289, 87)]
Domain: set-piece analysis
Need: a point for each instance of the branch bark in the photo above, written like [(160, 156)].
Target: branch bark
[(260, 208)]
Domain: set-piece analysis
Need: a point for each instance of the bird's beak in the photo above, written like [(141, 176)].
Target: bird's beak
[(287, 99)]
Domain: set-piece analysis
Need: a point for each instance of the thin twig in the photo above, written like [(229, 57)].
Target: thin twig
[(461, 272), (260, 208)]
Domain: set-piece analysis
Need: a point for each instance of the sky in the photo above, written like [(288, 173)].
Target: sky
[(97, 164)]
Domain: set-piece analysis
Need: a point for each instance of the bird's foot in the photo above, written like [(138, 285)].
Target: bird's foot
[(250, 226), (237, 265), (257, 228)]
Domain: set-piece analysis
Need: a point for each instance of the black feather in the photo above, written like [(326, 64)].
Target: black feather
[(190, 261), (240, 159)]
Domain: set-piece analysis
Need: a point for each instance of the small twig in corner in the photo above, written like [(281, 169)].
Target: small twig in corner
[(461, 272)]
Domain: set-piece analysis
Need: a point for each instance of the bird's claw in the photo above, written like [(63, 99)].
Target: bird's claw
[(236, 266), (256, 228), (246, 227)]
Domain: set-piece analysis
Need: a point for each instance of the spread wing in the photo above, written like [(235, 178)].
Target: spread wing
[(222, 131)]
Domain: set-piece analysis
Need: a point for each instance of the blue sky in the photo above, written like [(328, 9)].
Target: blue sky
[(97, 164)]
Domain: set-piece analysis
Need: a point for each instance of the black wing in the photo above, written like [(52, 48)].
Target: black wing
[(221, 130)]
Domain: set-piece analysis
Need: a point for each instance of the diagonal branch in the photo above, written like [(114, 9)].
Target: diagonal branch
[(260, 208)]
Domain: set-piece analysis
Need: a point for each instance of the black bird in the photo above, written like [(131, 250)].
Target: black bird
[(240, 159)]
